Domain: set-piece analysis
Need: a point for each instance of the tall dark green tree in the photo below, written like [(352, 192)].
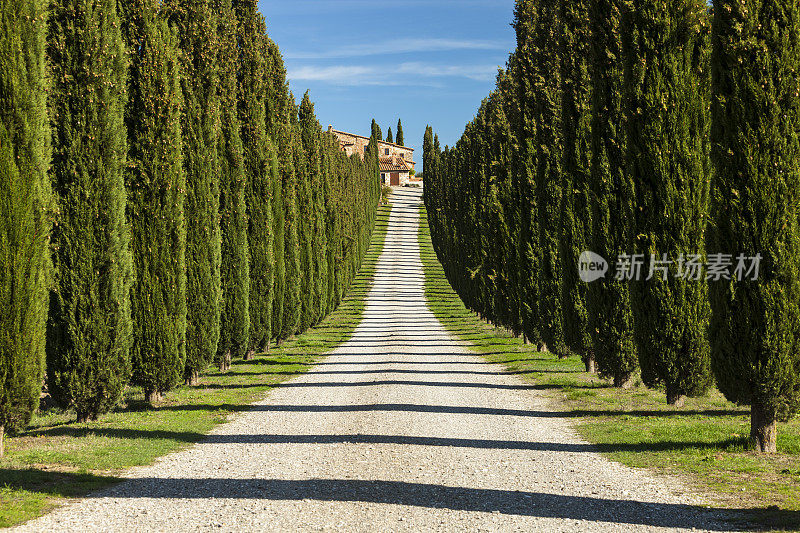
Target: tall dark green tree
[(376, 130), (389, 138), (330, 149), (277, 116), (399, 139), (546, 95), (278, 102), (611, 190), (25, 205), (156, 184), (197, 36), (575, 213), (755, 324), (667, 105), (512, 110), (522, 69), (313, 146), (89, 330), (306, 164), (291, 145), (234, 339), (260, 171), (278, 248), (427, 163)]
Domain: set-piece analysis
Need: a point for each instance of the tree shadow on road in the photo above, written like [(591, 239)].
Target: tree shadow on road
[(424, 495)]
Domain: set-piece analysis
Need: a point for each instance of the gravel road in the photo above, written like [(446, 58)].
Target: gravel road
[(401, 428)]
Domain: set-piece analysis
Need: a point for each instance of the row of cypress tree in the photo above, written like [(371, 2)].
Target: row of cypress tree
[(396, 139), (165, 204), (638, 127), (390, 138)]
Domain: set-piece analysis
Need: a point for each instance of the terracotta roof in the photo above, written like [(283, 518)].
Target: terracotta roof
[(380, 142), (393, 164)]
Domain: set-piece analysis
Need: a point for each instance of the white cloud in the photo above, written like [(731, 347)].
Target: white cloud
[(399, 46), (473, 72), (404, 74), (330, 74)]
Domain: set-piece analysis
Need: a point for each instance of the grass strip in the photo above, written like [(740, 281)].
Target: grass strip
[(704, 442), (56, 458)]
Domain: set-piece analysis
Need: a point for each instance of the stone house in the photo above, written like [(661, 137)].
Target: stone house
[(396, 162)]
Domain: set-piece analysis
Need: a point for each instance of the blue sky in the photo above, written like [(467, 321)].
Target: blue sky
[(425, 61)]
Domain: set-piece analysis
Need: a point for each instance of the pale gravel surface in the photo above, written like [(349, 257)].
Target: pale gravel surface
[(401, 428)]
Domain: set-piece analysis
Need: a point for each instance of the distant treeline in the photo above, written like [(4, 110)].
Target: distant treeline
[(662, 137), (164, 202)]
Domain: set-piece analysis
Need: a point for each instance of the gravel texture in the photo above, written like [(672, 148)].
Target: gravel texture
[(401, 428)]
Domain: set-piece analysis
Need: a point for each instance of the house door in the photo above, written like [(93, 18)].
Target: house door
[(394, 179)]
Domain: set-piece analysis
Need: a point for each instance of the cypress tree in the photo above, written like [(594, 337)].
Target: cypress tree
[(504, 245), (429, 191), (507, 86), (389, 138), (277, 117), (399, 137), (575, 214), (493, 228), (278, 248), (306, 164), (608, 299), (197, 37), (376, 130), (755, 323), (291, 145), (335, 220), (546, 102), (234, 326), (313, 146), (666, 100), (157, 189), (330, 148), (89, 330), (259, 168), (469, 202), (278, 102), (25, 198), (521, 67)]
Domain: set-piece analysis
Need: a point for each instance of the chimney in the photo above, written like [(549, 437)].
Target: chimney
[(330, 129)]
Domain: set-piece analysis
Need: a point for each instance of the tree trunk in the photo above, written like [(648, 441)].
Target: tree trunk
[(591, 366), (675, 397), (525, 339), (250, 355), (82, 417), (2, 443), (193, 379), (265, 348), (623, 380), (225, 362), (763, 429), (543, 347), (152, 396)]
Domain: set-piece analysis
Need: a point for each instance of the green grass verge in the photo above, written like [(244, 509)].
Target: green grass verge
[(705, 441), (57, 458)]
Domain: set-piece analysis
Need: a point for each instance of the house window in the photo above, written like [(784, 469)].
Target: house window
[(386, 151), (383, 177)]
